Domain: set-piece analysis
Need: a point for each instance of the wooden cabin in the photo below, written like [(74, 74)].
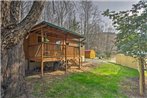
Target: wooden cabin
[(47, 42)]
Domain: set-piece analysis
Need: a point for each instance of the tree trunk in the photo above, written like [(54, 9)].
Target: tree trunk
[(13, 73), (5, 11), (141, 77), (13, 68)]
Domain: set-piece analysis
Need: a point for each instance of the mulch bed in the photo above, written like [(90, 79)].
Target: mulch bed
[(130, 87)]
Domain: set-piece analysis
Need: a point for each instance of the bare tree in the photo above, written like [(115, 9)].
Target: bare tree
[(59, 12), (90, 19)]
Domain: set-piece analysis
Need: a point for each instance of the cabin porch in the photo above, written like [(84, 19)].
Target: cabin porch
[(49, 44)]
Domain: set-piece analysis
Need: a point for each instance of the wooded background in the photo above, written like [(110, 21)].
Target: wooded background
[(82, 17)]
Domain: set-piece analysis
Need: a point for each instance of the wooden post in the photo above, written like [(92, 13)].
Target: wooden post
[(28, 68), (141, 77), (79, 55), (42, 69), (62, 50), (28, 54), (42, 49), (65, 55)]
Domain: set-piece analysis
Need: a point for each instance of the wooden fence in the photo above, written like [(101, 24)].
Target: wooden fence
[(126, 61)]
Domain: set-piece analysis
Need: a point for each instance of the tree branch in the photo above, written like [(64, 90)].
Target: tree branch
[(11, 35), (5, 13), (15, 8)]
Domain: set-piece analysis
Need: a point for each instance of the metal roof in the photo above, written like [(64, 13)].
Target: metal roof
[(60, 28)]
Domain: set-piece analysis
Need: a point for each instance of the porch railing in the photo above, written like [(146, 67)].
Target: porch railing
[(52, 50)]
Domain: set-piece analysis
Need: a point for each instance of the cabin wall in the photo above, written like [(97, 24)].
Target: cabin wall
[(34, 45), (52, 48), (33, 39), (73, 49)]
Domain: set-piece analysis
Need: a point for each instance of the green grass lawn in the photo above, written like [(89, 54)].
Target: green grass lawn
[(101, 82)]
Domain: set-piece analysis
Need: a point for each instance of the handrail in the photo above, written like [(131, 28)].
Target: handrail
[(51, 51)]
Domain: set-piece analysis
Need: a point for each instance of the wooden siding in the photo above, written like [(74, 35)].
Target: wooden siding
[(51, 49), (47, 43)]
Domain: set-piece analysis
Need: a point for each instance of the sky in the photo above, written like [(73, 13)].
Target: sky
[(114, 5)]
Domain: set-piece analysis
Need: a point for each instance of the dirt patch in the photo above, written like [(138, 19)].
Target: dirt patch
[(130, 87), (60, 73)]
